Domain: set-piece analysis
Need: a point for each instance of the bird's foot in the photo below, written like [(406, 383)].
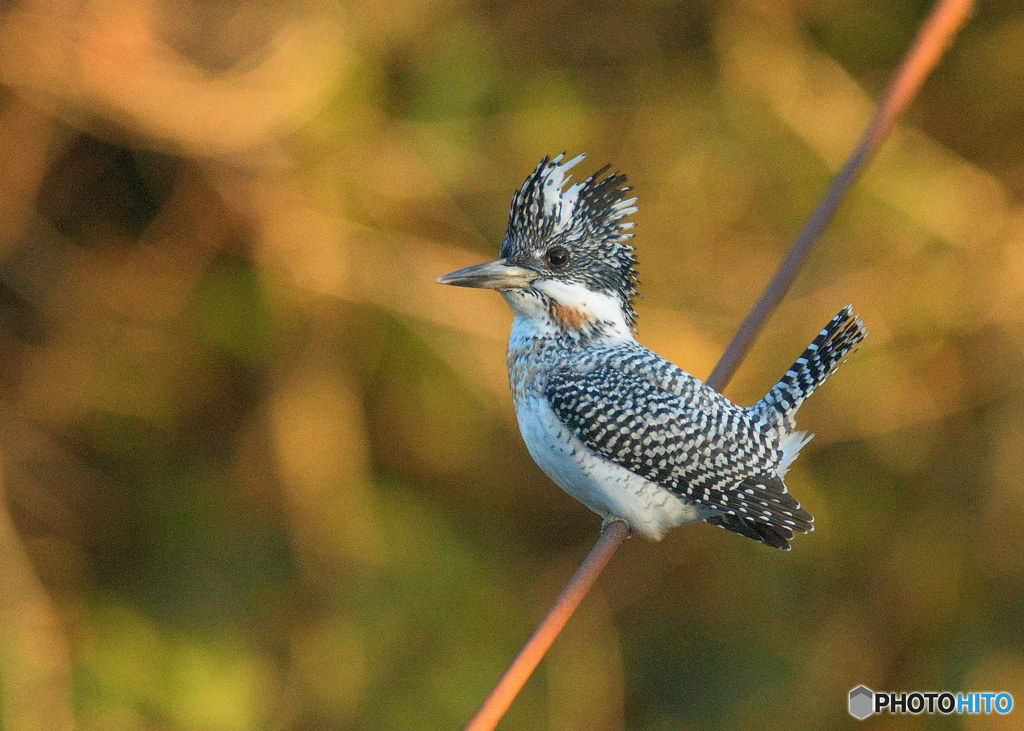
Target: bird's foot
[(612, 519)]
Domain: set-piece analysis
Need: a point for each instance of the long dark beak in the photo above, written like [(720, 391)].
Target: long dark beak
[(492, 275)]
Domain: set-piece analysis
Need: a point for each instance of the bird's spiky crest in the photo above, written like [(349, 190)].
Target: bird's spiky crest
[(587, 217)]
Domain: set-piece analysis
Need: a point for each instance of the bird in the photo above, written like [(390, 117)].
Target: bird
[(630, 435)]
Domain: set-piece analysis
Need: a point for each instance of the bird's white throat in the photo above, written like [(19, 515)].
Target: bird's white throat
[(569, 306)]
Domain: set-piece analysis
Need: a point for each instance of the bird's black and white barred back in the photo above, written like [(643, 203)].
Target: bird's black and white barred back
[(588, 217), (657, 421), (819, 361)]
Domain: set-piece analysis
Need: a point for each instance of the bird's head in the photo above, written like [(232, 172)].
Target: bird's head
[(565, 257)]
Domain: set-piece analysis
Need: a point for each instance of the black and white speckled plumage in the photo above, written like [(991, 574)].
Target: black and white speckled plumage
[(623, 430), (642, 412)]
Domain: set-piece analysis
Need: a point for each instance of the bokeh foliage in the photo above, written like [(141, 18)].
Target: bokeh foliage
[(262, 473)]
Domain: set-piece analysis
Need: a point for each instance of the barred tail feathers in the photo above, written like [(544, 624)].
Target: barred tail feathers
[(818, 362)]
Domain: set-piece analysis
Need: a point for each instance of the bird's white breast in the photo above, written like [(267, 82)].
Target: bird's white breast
[(606, 488)]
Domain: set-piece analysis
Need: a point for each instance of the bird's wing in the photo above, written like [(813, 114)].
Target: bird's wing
[(689, 440)]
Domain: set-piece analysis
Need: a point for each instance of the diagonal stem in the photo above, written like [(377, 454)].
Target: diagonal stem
[(935, 35), (508, 687)]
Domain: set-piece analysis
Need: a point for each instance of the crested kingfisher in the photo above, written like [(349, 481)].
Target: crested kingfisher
[(632, 436)]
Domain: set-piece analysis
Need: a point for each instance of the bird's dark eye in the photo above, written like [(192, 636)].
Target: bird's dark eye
[(558, 256)]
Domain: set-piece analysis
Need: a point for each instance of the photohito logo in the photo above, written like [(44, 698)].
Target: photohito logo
[(865, 702)]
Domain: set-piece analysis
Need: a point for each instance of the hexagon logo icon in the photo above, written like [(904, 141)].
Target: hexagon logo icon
[(862, 702)]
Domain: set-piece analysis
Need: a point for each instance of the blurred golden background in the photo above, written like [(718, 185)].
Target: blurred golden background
[(260, 472)]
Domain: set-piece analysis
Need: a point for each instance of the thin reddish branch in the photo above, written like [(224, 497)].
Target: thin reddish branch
[(536, 647), (935, 35)]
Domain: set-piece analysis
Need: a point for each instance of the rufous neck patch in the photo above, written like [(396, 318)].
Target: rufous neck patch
[(568, 317)]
